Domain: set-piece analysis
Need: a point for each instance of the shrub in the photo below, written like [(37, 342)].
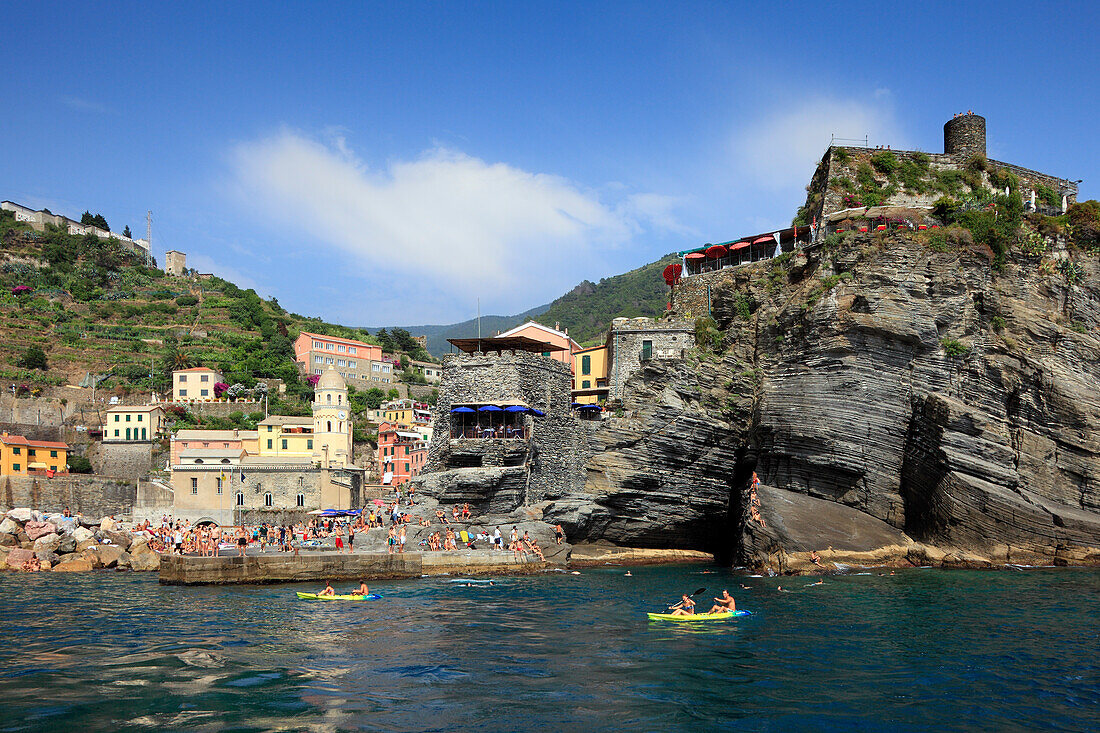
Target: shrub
[(841, 156), (34, 358), (78, 464), (998, 323), (977, 163), (885, 163), (954, 348), (186, 300)]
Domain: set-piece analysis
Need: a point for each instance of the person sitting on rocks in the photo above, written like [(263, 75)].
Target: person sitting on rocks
[(441, 516), (814, 558), (723, 604), (454, 512), (533, 546), (465, 512)]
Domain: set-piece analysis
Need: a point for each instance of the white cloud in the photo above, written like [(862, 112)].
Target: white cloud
[(457, 223), (780, 150)]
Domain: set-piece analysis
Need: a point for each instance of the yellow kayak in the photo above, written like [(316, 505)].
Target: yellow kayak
[(316, 597), (724, 615)]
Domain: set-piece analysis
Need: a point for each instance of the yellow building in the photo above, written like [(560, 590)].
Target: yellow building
[(590, 375), (195, 384), (286, 437), (133, 423), (22, 457)]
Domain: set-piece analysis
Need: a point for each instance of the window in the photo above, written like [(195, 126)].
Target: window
[(318, 345), (116, 418), (53, 468), (300, 500), (352, 350), (284, 443), (194, 486), (127, 418), (328, 347), (328, 360), (269, 430), (586, 364), (53, 454), (351, 363), (240, 498), (31, 452), (144, 435), (127, 433), (373, 368), (586, 384), (647, 350), (309, 443), (406, 468), (15, 467), (139, 418), (219, 485), (204, 378), (318, 360), (406, 450), (203, 393), (116, 432), (183, 393), (341, 348), (269, 443), (183, 377), (268, 499), (340, 362)]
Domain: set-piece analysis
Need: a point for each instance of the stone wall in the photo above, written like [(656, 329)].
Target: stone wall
[(92, 496), (964, 135), (669, 340), (129, 461), (548, 459)]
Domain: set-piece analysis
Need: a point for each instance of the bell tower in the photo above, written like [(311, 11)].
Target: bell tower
[(331, 422)]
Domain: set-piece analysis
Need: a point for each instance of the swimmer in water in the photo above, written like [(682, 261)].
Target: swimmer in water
[(628, 574)]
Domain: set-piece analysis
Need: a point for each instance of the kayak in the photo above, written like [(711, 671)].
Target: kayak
[(724, 615), (315, 597)]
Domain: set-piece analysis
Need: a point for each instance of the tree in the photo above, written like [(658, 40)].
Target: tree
[(78, 464), (96, 220), (393, 394), (126, 231), (34, 358)]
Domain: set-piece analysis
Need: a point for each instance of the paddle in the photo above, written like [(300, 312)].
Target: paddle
[(698, 592)]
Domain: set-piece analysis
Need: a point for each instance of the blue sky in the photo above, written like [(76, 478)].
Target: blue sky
[(389, 163)]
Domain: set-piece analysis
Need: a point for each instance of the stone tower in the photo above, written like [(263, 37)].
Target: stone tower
[(331, 422), (964, 135), (175, 263)]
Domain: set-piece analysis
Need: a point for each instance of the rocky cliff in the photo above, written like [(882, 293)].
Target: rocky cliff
[(900, 398)]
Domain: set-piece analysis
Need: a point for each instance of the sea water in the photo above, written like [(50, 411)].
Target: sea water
[(913, 651)]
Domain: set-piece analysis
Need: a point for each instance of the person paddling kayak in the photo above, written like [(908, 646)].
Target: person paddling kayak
[(725, 603), (328, 591), (686, 607), (362, 590)]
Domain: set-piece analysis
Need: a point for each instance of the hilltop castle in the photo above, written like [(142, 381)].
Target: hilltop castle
[(856, 178)]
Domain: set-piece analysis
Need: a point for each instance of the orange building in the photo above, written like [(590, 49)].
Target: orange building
[(554, 336), (317, 353), (20, 456), (401, 453)]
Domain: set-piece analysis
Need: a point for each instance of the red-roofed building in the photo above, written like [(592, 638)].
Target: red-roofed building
[(351, 359), (195, 384), (21, 456), (402, 453)]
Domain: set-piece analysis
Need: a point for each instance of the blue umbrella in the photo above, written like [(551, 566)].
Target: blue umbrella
[(489, 408), (515, 408), (463, 409), (537, 413)]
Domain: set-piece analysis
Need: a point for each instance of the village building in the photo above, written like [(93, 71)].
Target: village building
[(229, 440), (590, 375), (175, 263), (133, 423), (195, 384), (21, 456), (562, 346), (39, 219), (302, 464), (431, 372), (316, 353), (402, 454), (633, 342)]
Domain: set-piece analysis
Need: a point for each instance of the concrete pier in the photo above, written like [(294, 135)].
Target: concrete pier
[(320, 567)]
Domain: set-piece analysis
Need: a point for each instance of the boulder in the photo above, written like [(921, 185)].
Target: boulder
[(67, 544), (48, 559), (107, 556), (123, 561), (9, 526), (8, 540), (145, 560), (83, 533), (21, 515), (73, 564), (119, 539), (86, 545), (35, 530), (107, 524), (17, 556), (47, 543)]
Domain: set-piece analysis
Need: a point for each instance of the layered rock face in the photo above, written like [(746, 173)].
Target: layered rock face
[(900, 402), (924, 391)]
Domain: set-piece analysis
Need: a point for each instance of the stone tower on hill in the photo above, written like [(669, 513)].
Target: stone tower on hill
[(175, 263), (861, 181)]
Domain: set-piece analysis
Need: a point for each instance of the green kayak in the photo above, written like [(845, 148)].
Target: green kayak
[(724, 616), (316, 597)]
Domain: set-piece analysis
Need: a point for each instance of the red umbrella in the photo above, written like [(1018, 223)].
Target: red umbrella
[(379, 502), (716, 251), (696, 256)]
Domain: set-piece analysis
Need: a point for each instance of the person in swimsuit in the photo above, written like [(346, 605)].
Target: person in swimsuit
[(686, 607), (362, 590), (724, 604), (559, 534), (328, 591), (351, 540), (242, 541)]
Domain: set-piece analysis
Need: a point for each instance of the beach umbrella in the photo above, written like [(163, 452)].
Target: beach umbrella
[(515, 408), (463, 409), (490, 409), (379, 502), (537, 413)]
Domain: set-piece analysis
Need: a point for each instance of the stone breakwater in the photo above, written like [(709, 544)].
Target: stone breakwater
[(70, 544)]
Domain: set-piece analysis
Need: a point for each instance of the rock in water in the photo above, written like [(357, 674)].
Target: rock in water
[(17, 556), (82, 533), (47, 543), (73, 564), (9, 526), (67, 544), (145, 560), (119, 539)]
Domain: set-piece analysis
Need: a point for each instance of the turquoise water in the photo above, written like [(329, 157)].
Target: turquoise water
[(917, 651)]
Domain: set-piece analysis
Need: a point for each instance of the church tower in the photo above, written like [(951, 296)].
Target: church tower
[(331, 422)]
